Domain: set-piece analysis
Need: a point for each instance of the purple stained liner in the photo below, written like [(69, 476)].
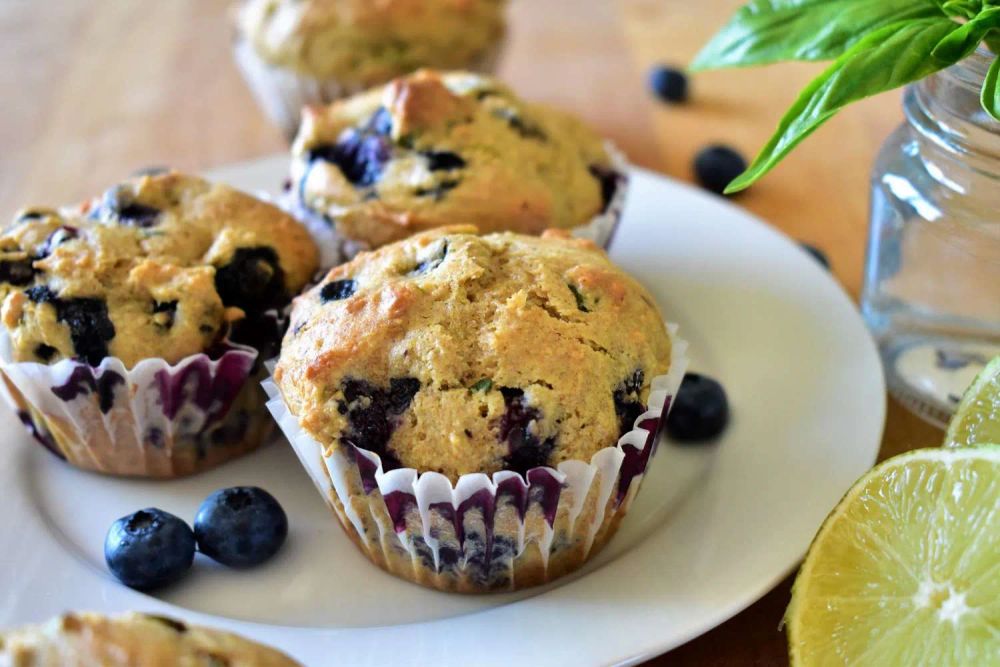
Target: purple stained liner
[(470, 536), (91, 404)]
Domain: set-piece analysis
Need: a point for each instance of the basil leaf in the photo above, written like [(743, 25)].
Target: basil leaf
[(964, 41), (888, 58), (769, 31), (990, 96), (963, 8)]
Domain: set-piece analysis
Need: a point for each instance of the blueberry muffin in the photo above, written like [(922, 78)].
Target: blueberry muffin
[(298, 52), (433, 148), (131, 640), (166, 284), (469, 356)]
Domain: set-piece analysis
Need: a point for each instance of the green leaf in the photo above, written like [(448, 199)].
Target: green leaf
[(964, 41), (886, 59), (769, 31), (990, 96), (483, 385), (962, 8)]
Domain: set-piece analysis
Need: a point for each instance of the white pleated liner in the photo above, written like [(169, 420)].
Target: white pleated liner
[(282, 92), (430, 488), (335, 249), (137, 401)]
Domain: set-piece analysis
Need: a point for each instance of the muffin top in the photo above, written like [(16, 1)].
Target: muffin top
[(164, 265), (132, 640), (433, 148), (366, 42), (459, 353)]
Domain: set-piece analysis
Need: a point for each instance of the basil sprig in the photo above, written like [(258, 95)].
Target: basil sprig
[(875, 45)]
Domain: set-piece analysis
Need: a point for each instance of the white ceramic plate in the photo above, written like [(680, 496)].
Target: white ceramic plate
[(713, 529)]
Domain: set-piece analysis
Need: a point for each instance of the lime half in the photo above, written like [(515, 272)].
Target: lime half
[(906, 570), (977, 419)]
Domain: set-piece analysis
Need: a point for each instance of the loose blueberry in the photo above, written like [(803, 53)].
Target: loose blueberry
[(700, 410), (443, 160), (252, 280), (716, 166), (669, 84), (526, 451), (817, 254), (240, 526), (18, 272), (337, 290), (149, 548)]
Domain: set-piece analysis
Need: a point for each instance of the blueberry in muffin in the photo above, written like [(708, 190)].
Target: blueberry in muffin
[(160, 268), (432, 148)]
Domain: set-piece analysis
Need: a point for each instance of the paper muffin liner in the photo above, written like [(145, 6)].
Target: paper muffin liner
[(485, 533), (282, 92), (335, 248), (157, 420)]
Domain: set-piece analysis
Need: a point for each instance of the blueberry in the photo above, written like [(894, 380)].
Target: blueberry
[(443, 160), (439, 191), (628, 405), (337, 290), (18, 272), (240, 526), (55, 239), (669, 84), (261, 331), (525, 449), (817, 254), (700, 410), (149, 548), (372, 414), (716, 166), (252, 280), (431, 262), (119, 205), (45, 352), (90, 328), (360, 153)]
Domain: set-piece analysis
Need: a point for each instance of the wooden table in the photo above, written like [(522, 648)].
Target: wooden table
[(93, 89)]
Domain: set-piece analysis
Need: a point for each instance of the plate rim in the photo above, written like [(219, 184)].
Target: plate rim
[(643, 649)]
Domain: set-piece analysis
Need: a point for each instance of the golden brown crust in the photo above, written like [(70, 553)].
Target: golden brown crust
[(510, 340), (140, 268), (131, 640), (432, 148), (366, 42)]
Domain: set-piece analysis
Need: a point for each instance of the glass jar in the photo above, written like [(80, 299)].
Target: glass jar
[(931, 292)]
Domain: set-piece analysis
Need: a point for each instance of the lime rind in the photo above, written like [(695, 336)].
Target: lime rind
[(977, 418), (920, 577)]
